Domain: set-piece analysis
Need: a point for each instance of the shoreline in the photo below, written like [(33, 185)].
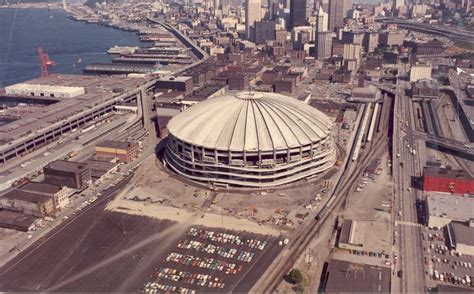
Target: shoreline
[(44, 8)]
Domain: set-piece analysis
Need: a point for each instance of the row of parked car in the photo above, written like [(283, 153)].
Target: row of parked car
[(154, 288), (452, 278), (432, 237), (227, 238), (455, 263), (189, 278), (202, 262), (214, 249)]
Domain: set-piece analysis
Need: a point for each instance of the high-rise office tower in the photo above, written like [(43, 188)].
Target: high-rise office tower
[(273, 8), (321, 20), (252, 14), (336, 14), (346, 6), (323, 45), (297, 13)]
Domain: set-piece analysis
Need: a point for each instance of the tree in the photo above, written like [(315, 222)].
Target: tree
[(303, 284), (296, 276)]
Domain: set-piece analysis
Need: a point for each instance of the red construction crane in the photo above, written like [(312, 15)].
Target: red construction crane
[(46, 63)]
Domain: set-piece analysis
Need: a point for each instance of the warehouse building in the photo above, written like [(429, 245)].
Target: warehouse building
[(28, 203), (461, 237), (444, 208), (181, 83), (16, 221), (75, 175), (347, 277), (60, 194), (24, 89), (123, 151), (436, 179), (351, 235), (250, 139)]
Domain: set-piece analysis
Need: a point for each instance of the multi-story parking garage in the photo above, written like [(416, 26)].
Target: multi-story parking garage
[(251, 140)]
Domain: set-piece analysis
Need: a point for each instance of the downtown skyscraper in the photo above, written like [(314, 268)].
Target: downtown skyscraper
[(297, 13), (253, 13)]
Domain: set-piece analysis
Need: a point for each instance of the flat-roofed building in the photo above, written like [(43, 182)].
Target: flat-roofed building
[(448, 181), (28, 203), (76, 175), (348, 277), (461, 237), (419, 72), (444, 208), (123, 151), (25, 89), (60, 194), (389, 39), (175, 83), (352, 235), (16, 221)]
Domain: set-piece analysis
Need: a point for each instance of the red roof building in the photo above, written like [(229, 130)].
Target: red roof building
[(445, 180)]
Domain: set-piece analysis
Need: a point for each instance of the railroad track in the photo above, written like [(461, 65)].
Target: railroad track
[(312, 228)]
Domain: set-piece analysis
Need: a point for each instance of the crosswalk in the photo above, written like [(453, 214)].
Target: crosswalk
[(408, 224)]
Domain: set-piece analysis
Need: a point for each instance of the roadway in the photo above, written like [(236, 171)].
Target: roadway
[(405, 166), (451, 33)]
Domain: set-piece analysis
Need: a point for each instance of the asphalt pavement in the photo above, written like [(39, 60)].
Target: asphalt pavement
[(409, 247)]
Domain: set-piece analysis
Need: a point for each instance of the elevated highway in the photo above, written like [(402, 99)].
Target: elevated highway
[(451, 33), (200, 54), (447, 144)]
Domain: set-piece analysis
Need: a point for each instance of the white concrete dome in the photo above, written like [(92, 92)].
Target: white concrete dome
[(250, 139)]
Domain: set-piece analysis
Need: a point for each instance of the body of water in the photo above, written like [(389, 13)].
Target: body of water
[(71, 44)]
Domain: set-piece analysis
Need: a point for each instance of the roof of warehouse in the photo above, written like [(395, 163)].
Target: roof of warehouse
[(345, 277), (67, 165), (16, 219), (114, 144), (26, 196), (463, 234), (345, 231), (453, 207), (41, 188), (37, 87)]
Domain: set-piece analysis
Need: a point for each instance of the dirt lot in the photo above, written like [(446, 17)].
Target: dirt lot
[(157, 192), (370, 207)]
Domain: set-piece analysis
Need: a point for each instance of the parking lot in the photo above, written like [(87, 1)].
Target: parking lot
[(210, 260), (444, 264)]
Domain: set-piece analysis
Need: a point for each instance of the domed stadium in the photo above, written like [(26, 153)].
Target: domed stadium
[(249, 139)]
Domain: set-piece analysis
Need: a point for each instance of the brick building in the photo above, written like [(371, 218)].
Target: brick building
[(123, 151), (76, 175)]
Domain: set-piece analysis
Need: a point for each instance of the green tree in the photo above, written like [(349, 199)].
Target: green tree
[(296, 276), (303, 284)]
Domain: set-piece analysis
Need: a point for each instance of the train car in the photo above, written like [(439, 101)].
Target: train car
[(373, 123), (360, 135)]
